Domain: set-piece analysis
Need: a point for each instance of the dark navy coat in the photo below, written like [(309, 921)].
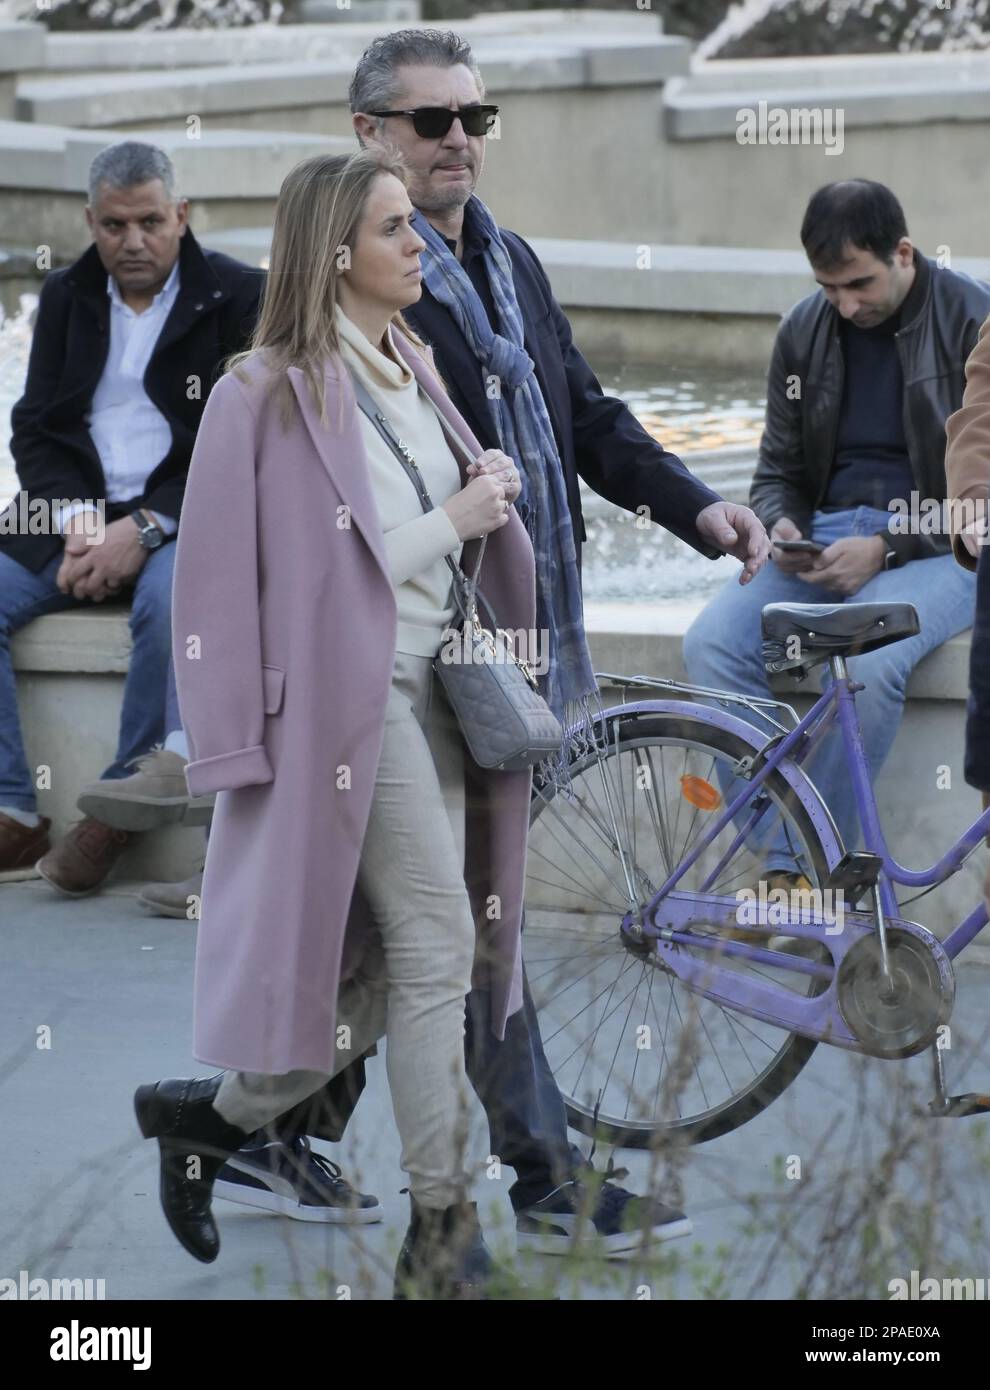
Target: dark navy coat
[(53, 451)]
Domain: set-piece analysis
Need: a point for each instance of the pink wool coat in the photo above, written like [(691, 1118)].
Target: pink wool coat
[(283, 627)]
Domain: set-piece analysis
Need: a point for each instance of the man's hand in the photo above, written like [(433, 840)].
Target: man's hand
[(975, 534), (846, 565), (738, 532), (793, 561), (99, 570)]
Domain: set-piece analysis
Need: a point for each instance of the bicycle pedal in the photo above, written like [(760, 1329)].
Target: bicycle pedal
[(959, 1107)]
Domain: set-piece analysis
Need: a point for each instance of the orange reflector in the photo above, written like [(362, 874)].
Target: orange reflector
[(700, 793)]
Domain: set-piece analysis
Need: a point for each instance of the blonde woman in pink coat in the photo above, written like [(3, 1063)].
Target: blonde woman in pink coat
[(356, 850)]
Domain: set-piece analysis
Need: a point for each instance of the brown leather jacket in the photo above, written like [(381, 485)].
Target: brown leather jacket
[(967, 454)]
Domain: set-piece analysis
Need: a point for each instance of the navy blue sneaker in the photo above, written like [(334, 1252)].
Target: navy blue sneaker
[(618, 1222), (288, 1177)]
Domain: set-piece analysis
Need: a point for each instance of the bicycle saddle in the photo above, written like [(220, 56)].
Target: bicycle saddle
[(798, 636)]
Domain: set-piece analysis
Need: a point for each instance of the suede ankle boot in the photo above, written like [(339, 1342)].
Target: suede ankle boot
[(444, 1255)]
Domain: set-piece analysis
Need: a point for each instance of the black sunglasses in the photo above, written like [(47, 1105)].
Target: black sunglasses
[(433, 122)]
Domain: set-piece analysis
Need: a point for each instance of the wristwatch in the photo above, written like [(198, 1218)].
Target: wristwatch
[(150, 534), (890, 554)]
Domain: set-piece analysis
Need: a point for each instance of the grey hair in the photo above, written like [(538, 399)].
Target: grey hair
[(373, 85), (128, 163)]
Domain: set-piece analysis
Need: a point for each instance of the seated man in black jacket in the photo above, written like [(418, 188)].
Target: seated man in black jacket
[(127, 344), (480, 281), (864, 374)]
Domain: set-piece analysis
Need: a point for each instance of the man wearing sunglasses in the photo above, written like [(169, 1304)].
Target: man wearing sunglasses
[(504, 349)]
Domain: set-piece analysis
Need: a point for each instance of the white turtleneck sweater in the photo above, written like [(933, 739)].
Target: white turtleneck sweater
[(415, 541)]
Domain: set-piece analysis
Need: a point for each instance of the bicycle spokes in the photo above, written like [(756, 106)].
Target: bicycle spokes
[(620, 1031)]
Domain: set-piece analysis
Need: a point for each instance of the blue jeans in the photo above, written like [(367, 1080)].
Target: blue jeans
[(150, 706), (527, 1121), (722, 648)]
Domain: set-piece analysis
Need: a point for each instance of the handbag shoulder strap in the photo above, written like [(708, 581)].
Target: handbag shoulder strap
[(370, 408)]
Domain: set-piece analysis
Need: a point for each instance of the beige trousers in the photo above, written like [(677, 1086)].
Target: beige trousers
[(412, 990)]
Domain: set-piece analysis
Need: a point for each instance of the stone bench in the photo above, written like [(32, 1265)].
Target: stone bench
[(70, 682), (70, 674)]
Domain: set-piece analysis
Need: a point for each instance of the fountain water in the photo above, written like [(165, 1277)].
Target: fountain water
[(147, 14), (771, 28)]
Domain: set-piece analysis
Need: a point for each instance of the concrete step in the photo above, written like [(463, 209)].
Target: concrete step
[(32, 156), (862, 70), (223, 164), (346, 37), (282, 81), (119, 99), (619, 275), (22, 47), (912, 90)]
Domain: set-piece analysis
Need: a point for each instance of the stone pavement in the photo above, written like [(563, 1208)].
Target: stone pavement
[(79, 1195)]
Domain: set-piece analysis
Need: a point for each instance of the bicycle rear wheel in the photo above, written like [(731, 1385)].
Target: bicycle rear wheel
[(636, 1054)]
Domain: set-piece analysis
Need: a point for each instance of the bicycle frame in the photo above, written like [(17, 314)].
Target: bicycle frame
[(668, 916)]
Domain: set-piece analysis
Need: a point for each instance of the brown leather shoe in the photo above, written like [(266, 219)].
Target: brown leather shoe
[(21, 846), (81, 861)]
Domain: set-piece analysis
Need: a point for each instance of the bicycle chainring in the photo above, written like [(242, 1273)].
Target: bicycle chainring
[(903, 1022)]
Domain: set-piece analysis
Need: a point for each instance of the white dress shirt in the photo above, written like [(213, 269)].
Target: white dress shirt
[(131, 434)]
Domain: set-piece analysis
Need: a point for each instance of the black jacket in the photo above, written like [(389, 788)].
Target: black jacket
[(597, 436), (212, 317), (804, 399)]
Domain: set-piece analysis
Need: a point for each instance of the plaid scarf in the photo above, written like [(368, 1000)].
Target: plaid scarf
[(522, 425)]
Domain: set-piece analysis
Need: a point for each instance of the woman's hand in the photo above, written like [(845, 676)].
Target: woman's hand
[(478, 508), (498, 465), (483, 505)]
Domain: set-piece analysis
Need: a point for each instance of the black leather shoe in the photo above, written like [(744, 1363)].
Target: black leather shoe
[(194, 1142), (444, 1255)]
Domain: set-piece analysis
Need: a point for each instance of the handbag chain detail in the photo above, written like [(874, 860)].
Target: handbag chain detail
[(505, 721)]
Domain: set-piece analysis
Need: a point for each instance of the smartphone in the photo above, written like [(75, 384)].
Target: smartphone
[(800, 547)]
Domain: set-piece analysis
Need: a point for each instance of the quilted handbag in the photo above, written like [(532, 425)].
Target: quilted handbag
[(505, 721)]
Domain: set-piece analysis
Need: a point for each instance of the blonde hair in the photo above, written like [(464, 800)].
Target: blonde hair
[(320, 205)]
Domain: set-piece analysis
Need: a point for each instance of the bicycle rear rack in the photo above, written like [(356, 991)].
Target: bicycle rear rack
[(757, 703)]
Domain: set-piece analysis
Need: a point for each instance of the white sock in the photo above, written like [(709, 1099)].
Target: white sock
[(29, 818), (176, 743)]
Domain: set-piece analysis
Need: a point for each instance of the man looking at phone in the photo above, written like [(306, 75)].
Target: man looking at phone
[(864, 374)]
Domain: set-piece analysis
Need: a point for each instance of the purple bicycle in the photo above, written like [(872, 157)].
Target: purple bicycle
[(674, 994)]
